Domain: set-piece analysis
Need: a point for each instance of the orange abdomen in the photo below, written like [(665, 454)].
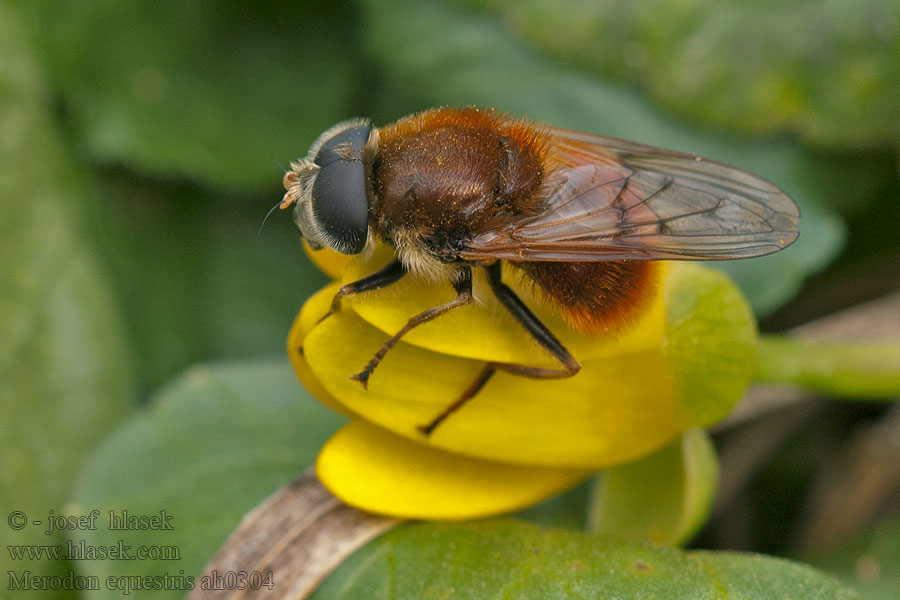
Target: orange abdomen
[(595, 296)]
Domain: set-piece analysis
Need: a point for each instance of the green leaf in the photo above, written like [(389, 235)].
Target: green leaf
[(830, 70), (213, 91), (663, 498), (449, 56), (503, 559), (194, 279), (65, 378), (871, 563), (213, 444)]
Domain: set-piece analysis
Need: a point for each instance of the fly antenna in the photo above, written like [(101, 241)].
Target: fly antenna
[(280, 203), (266, 218), (277, 162)]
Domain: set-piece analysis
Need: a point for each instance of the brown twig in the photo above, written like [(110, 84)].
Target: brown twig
[(294, 539), (853, 487)]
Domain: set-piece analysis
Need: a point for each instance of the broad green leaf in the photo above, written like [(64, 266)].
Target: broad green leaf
[(871, 563), (194, 278), (827, 69), (213, 91), (663, 498), (65, 377), (211, 446), (504, 559), (450, 56)]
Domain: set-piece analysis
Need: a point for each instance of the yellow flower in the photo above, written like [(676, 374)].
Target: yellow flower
[(682, 364)]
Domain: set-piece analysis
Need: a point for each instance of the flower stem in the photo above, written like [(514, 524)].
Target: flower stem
[(845, 370)]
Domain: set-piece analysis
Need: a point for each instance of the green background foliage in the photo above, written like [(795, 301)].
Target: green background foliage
[(139, 144), (516, 560)]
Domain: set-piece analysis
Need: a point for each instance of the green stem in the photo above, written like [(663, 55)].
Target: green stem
[(847, 370)]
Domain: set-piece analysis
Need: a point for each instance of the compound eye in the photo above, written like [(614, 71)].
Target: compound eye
[(339, 202)]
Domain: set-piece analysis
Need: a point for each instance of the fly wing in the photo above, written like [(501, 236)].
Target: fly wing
[(611, 199)]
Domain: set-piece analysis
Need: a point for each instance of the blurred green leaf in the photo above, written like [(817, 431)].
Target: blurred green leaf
[(663, 498), (871, 564), (212, 445), (450, 56), (65, 377), (503, 559), (194, 279), (828, 69), (213, 91)]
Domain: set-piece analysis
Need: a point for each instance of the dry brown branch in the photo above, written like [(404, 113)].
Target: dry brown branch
[(299, 535)]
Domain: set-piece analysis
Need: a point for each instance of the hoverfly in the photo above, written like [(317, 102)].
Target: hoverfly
[(581, 215)]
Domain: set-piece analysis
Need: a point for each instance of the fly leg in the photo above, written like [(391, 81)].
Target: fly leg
[(537, 330), (387, 275), (390, 273), (463, 287)]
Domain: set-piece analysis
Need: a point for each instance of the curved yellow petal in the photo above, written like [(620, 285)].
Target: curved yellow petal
[(486, 330), (306, 319), (329, 262), (614, 410), (682, 365), (377, 471)]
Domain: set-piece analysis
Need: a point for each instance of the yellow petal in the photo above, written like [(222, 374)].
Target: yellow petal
[(374, 470), (614, 410), (330, 262), (303, 323), (486, 330)]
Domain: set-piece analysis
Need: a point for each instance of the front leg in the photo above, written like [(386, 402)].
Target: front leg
[(387, 275), (463, 296)]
